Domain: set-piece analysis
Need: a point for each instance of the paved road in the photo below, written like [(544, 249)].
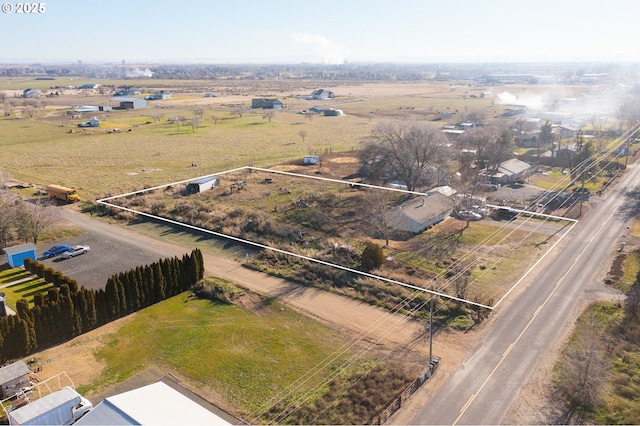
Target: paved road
[(483, 389)]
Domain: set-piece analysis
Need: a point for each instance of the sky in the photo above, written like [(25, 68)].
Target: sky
[(321, 31)]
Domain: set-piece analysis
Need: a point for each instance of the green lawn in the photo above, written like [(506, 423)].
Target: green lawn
[(247, 357), (20, 290)]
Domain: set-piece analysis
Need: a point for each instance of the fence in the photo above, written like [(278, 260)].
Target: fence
[(395, 405)]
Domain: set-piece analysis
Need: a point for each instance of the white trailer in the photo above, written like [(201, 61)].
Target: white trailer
[(62, 407), (202, 184)]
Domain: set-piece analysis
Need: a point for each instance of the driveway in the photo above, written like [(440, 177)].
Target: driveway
[(524, 193), (115, 249)]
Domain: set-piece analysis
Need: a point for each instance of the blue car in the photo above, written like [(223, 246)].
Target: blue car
[(56, 250)]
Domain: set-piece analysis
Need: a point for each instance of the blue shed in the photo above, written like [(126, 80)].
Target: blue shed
[(17, 254)]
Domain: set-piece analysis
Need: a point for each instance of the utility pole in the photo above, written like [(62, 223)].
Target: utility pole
[(431, 329)]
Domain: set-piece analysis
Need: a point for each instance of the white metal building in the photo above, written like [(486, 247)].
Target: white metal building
[(155, 404)]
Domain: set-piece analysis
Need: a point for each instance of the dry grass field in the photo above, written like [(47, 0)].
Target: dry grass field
[(148, 149)]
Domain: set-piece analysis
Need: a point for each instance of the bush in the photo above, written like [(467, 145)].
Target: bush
[(372, 257)]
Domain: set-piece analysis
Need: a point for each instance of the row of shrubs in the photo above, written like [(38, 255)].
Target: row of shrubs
[(65, 311), (56, 278)]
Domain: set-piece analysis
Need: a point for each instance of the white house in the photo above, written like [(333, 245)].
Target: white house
[(418, 214), (508, 171)]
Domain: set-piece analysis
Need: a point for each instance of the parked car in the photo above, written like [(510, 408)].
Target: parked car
[(466, 214), (56, 250), (487, 186), (75, 251)]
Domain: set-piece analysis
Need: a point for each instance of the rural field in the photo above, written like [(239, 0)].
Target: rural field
[(148, 149), (207, 344)]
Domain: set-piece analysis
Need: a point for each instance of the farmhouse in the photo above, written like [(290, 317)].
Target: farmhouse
[(420, 213), (265, 103), (321, 94), (159, 96), (30, 93), (13, 377), (202, 184), (508, 171), (17, 254), (122, 102)]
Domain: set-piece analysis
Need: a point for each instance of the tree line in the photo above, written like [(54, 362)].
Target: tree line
[(67, 311)]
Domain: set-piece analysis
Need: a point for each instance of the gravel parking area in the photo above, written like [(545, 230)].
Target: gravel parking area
[(110, 252)]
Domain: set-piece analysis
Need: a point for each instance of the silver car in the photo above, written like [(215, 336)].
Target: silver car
[(75, 251)]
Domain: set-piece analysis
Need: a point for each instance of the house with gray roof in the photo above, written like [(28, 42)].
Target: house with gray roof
[(13, 377), (420, 213), (508, 171)]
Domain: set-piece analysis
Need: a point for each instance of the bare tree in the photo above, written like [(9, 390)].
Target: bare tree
[(3, 97), (239, 109), (269, 114), (376, 213), (411, 151), (215, 119), (582, 367), (479, 139), (629, 112), (178, 121), (32, 106), (474, 115), (552, 102), (302, 134), (33, 218), (195, 123), (501, 150), (198, 112), (7, 221)]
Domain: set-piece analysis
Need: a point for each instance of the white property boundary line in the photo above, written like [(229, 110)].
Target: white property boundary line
[(105, 202)]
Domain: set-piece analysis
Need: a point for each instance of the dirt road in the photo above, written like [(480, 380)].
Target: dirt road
[(365, 323)]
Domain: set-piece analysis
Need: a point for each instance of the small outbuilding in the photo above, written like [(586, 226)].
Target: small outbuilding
[(17, 254), (311, 159), (122, 102), (13, 377), (202, 184)]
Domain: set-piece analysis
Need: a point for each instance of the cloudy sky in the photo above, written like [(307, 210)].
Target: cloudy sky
[(321, 31)]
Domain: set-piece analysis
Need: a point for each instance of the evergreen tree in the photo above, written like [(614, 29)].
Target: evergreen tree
[(48, 275), (57, 278), (199, 265), (73, 284), (39, 270), (122, 298), (158, 283), (28, 264), (53, 294), (38, 299), (372, 257), (102, 307), (112, 297)]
